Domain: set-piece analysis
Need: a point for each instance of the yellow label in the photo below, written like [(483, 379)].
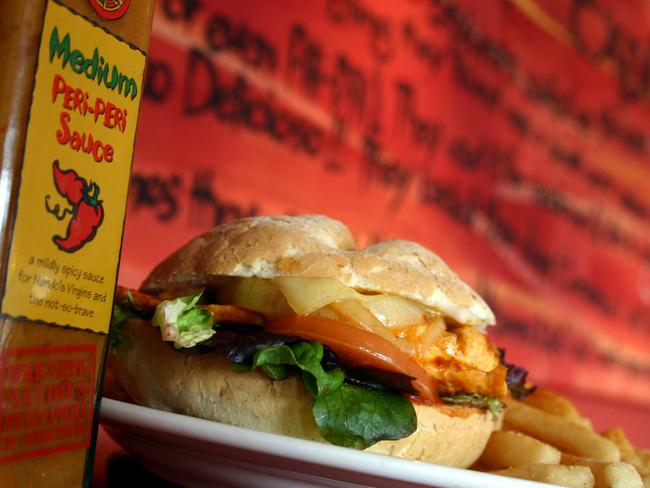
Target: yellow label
[(72, 199)]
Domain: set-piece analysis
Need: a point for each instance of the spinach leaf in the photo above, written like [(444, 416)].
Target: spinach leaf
[(346, 415), (357, 417)]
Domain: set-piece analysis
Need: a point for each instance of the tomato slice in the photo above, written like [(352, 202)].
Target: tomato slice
[(356, 347)]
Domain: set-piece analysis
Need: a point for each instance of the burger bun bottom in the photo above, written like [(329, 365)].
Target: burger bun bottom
[(153, 374)]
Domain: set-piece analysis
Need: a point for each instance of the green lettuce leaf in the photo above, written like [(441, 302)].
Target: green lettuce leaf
[(117, 342), (182, 322), (357, 417), (346, 415), (306, 356), (494, 405)]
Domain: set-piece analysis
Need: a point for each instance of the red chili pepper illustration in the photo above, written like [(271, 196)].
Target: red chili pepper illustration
[(68, 183), (87, 210)]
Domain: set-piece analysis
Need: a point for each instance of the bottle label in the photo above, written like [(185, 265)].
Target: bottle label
[(47, 400), (67, 234)]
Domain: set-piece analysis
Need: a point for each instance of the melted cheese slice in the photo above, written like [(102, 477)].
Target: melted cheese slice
[(459, 356)]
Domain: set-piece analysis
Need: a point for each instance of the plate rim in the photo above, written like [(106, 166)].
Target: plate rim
[(114, 413)]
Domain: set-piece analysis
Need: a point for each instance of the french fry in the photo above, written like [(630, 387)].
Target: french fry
[(546, 420), (643, 455), (559, 432), (636, 461), (628, 453), (557, 474), (608, 475), (617, 475), (646, 481), (507, 449), (638, 464), (556, 404), (618, 436)]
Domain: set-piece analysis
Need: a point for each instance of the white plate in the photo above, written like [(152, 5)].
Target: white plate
[(200, 453)]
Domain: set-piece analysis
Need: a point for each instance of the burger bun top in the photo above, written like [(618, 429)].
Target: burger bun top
[(316, 246)]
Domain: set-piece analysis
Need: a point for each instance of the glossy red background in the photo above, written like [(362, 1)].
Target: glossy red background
[(510, 137)]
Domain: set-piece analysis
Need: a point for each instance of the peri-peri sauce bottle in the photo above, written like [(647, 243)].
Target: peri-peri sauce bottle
[(71, 81)]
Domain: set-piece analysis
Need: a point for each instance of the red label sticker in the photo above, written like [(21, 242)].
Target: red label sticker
[(111, 9), (46, 400)]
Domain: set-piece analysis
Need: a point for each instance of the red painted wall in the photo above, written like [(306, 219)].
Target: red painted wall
[(511, 137)]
